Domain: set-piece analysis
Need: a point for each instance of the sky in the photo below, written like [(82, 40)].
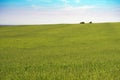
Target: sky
[(15, 12)]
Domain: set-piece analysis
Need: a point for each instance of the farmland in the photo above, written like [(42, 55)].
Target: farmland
[(60, 52)]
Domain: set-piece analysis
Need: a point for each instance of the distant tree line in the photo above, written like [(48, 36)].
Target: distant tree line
[(84, 22)]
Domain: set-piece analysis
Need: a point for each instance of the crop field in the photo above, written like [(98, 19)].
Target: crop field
[(60, 52)]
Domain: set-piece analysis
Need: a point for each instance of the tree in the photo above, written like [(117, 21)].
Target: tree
[(90, 22), (82, 22)]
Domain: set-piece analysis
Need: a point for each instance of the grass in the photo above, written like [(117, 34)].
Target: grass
[(60, 52)]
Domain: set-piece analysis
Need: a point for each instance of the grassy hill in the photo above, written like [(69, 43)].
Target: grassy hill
[(60, 52)]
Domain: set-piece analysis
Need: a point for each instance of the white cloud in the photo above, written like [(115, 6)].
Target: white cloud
[(69, 7), (68, 14), (87, 7)]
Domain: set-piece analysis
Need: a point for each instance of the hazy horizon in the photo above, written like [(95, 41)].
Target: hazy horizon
[(20, 12)]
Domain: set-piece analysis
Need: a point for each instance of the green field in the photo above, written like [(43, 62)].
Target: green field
[(60, 52)]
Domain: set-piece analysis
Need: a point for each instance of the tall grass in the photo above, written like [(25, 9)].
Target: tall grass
[(60, 52)]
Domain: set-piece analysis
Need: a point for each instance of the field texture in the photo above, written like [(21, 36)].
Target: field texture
[(60, 52)]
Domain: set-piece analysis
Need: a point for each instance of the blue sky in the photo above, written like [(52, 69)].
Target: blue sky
[(58, 11), (58, 3)]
